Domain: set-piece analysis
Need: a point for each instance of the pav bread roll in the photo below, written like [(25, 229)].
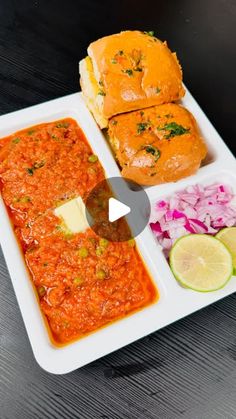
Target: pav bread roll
[(157, 144), (128, 71)]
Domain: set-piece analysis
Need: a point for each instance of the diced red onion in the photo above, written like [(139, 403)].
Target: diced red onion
[(197, 209), (156, 228)]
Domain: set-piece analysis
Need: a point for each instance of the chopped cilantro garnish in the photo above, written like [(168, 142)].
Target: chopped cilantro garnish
[(31, 131), (128, 71), (101, 83), (142, 126), (150, 33), (62, 125), (30, 170), (118, 54), (174, 130), (35, 166), (154, 151), (16, 140), (101, 93), (158, 90)]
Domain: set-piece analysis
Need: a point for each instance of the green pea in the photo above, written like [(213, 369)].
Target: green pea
[(91, 170), (131, 242), (83, 252), (99, 251), (41, 291), (68, 235), (101, 274), (78, 281), (25, 199), (103, 242), (93, 158)]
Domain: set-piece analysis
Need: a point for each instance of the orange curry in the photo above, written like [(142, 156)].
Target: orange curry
[(83, 281)]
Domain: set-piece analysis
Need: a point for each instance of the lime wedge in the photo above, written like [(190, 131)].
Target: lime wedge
[(228, 237), (201, 262)]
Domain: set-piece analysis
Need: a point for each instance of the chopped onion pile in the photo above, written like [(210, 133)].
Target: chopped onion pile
[(196, 209)]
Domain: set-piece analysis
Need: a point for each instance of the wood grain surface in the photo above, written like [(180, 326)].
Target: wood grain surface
[(187, 370)]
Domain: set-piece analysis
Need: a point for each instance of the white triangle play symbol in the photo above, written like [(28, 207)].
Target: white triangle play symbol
[(116, 209)]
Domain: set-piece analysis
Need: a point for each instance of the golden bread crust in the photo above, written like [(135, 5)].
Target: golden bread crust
[(157, 145), (135, 71)]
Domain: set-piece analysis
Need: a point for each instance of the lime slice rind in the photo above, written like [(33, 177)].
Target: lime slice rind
[(228, 237)]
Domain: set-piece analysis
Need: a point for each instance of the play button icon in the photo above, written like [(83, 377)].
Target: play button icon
[(117, 209)]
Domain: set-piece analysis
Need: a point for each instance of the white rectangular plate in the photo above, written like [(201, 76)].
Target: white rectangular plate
[(175, 302)]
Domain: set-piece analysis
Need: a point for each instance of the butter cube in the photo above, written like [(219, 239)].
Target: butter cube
[(73, 214)]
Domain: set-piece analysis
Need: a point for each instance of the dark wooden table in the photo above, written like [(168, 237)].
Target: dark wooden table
[(187, 370)]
